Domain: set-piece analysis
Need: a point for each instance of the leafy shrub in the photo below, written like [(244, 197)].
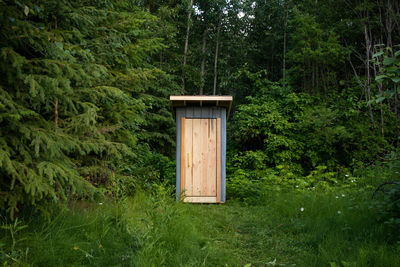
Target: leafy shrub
[(297, 140), (387, 201)]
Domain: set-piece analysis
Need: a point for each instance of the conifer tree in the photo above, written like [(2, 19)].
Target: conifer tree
[(78, 84)]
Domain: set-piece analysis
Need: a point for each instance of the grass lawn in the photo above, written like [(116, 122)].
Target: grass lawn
[(299, 228)]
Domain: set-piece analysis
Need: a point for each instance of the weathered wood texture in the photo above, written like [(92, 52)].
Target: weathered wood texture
[(200, 154), (210, 101)]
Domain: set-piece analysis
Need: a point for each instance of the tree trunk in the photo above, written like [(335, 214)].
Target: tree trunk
[(368, 85), (284, 50), (313, 76), (389, 29), (380, 103), (185, 51), (203, 60), (56, 113), (216, 58), (148, 6)]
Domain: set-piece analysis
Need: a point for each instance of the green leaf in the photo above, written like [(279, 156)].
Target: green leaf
[(391, 69), (26, 10), (389, 61), (380, 99), (396, 79), (380, 78), (59, 45), (397, 53), (378, 54)]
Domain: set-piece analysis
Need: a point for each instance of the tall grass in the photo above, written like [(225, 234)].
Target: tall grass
[(295, 228), (141, 231)]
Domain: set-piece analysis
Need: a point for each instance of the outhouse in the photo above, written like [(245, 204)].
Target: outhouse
[(201, 147)]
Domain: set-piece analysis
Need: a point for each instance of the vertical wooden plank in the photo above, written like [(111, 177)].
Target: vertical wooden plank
[(189, 112), (179, 112), (206, 112), (218, 159), (182, 156), (223, 154), (197, 112), (187, 157), (196, 170), (204, 136), (212, 158)]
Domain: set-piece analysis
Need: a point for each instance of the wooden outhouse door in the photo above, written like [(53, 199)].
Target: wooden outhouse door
[(201, 160)]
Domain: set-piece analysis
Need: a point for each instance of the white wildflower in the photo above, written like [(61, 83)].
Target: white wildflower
[(338, 212), (343, 195), (100, 203), (302, 209), (337, 197), (347, 175)]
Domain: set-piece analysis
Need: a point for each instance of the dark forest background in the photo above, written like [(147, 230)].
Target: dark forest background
[(85, 85)]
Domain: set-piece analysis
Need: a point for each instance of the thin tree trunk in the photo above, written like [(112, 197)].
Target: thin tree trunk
[(56, 113), (185, 51), (148, 6), (304, 74), (216, 58), (313, 76), (368, 85), (284, 50), (203, 60), (389, 29), (380, 103)]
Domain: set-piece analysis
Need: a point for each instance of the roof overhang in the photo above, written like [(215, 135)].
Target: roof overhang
[(202, 100)]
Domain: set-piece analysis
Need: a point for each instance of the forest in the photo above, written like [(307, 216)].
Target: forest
[(88, 134)]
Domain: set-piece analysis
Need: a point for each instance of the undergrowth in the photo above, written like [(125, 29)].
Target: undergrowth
[(337, 227)]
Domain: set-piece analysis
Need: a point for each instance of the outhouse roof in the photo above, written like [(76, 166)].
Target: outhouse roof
[(202, 100)]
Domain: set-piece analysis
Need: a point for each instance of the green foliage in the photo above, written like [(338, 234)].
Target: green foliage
[(387, 195), (302, 227), (283, 140), (301, 131), (149, 229), (390, 65), (79, 100), (314, 55)]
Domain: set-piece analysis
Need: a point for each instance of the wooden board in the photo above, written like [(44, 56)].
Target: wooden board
[(218, 163), (204, 156), (201, 199), (188, 100), (200, 158), (196, 156), (187, 157), (199, 98), (212, 157), (182, 185)]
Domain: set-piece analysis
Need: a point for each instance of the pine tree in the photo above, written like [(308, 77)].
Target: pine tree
[(74, 96)]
